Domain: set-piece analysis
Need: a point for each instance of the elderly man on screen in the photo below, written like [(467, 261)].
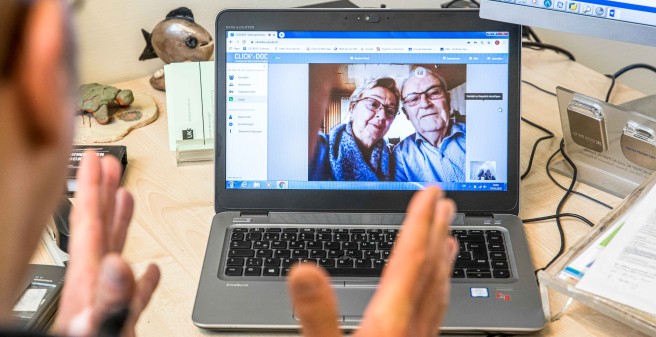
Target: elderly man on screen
[(436, 152)]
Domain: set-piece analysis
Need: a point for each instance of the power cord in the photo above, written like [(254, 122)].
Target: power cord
[(558, 215), (540, 46), (541, 89), (597, 201), (620, 72), (535, 145)]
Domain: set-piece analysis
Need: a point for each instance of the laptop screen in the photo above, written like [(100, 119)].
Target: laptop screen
[(353, 110)]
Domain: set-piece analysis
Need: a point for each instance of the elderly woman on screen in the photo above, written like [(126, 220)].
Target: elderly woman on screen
[(356, 151)]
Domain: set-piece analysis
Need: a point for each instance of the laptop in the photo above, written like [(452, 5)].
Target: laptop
[(292, 87)]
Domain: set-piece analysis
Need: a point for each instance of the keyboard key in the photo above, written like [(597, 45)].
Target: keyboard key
[(470, 238), (261, 244), (362, 272), (464, 256), (240, 230), (357, 230), (342, 237), (234, 271), (252, 271), (380, 264), (307, 230), (475, 231), (316, 253), (372, 254), (363, 263), (495, 232), (327, 262), (288, 262), (272, 262), (340, 230), (386, 245), (273, 230), (325, 230), (374, 231), (241, 253), (240, 244), (498, 264), (288, 237), (264, 253), (271, 237), (494, 247), (474, 274), (501, 273), (472, 264), (495, 239), (458, 273), (458, 231), (271, 271), (285, 271), (345, 263), (237, 236), (253, 262), (300, 253), (498, 256), (306, 236), (297, 244), (290, 230), (235, 261), (349, 245), (314, 245), (324, 236), (309, 261), (368, 246), (282, 253), (332, 245), (256, 230), (253, 236), (279, 245)]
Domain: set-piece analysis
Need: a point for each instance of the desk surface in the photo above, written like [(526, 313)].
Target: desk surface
[(174, 205)]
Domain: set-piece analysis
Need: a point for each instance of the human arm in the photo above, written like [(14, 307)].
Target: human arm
[(414, 288), (99, 282)]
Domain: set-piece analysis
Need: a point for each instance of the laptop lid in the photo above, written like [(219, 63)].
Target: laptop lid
[(286, 108)]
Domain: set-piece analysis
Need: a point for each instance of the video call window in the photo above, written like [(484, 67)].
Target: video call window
[(389, 122)]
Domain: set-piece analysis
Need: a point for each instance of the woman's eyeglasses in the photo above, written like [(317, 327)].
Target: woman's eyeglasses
[(433, 93), (374, 105)]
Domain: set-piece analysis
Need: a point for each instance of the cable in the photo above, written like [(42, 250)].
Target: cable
[(622, 71), (541, 89), (597, 201), (535, 145), (559, 225), (462, 4), (529, 33), (549, 217), (540, 45)]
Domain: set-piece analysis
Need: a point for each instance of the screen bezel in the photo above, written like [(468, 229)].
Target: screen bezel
[(346, 20)]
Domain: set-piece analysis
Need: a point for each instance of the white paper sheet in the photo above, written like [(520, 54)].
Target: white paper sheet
[(625, 271)]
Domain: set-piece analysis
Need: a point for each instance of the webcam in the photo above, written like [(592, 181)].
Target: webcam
[(372, 18)]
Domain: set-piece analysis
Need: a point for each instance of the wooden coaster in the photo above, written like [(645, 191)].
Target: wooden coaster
[(141, 112)]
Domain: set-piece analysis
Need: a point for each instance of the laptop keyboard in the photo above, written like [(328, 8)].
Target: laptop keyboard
[(351, 252)]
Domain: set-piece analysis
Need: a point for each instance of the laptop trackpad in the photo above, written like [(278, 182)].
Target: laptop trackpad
[(352, 303)]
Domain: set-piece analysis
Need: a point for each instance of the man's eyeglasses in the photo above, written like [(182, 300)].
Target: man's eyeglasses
[(374, 105), (433, 93)]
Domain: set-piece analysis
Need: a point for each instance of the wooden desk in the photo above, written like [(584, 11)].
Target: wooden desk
[(174, 205)]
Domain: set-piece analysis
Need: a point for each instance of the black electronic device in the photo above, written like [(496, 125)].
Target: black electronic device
[(35, 309)]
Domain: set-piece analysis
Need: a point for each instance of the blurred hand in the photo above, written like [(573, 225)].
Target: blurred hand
[(99, 283), (414, 288)]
